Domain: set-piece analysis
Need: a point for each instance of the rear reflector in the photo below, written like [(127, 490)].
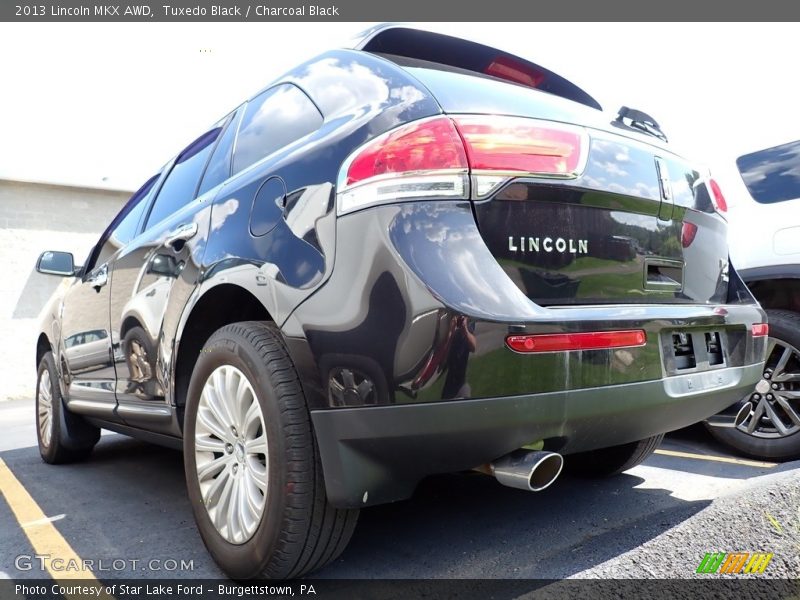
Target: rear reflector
[(719, 200), (565, 342), (760, 329)]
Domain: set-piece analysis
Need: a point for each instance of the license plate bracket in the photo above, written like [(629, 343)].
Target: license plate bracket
[(687, 351)]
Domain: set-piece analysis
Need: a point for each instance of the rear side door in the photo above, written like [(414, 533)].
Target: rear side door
[(156, 271)]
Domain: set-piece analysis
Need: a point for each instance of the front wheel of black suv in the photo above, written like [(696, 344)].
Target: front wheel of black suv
[(772, 430), (606, 462), (63, 437), (252, 466)]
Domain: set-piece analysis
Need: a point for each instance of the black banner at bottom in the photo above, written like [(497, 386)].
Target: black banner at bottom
[(721, 587)]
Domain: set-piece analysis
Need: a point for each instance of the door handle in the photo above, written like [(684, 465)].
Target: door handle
[(182, 234)]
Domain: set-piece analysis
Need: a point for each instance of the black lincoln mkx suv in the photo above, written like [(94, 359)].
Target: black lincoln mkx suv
[(422, 255)]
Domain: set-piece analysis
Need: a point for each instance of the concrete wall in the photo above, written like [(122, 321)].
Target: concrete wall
[(34, 218)]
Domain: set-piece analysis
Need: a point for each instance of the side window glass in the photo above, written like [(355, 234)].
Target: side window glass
[(219, 166), (128, 227), (125, 225), (274, 119), (181, 183), (772, 175)]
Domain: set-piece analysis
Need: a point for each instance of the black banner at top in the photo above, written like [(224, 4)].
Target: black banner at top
[(405, 10)]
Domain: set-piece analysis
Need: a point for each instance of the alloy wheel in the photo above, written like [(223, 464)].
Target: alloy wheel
[(776, 397), (45, 410), (231, 454)]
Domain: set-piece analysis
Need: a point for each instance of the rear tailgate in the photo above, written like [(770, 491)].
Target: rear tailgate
[(637, 225)]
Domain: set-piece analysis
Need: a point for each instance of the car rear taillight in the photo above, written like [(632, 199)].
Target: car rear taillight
[(688, 233), (760, 329), (425, 159), (719, 200), (520, 145), (565, 342), (432, 158), (426, 146), (500, 147)]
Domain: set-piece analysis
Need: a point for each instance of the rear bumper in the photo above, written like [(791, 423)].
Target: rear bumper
[(405, 368), (374, 455)]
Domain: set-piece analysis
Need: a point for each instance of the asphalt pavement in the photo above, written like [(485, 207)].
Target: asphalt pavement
[(126, 510)]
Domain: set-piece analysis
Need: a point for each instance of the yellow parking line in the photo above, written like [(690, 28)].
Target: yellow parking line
[(724, 459), (44, 537)]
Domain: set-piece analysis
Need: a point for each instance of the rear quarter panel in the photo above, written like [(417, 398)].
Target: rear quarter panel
[(360, 96)]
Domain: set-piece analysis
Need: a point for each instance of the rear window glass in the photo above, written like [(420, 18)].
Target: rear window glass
[(772, 175), (274, 119)]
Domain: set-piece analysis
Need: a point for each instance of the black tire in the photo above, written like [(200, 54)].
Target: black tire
[(71, 437), (784, 325), (298, 531), (607, 462)]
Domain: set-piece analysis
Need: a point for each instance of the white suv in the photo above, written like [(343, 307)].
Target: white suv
[(764, 237)]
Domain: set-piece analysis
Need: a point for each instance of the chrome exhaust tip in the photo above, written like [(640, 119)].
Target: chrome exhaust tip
[(530, 470), (732, 416)]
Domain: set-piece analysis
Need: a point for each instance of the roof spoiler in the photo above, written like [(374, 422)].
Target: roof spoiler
[(402, 40)]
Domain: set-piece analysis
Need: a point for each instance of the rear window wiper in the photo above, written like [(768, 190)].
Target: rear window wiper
[(639, 120)]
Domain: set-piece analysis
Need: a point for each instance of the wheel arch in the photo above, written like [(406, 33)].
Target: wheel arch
[(776, 289), (129, 323), (218, 306), (43, 346)]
